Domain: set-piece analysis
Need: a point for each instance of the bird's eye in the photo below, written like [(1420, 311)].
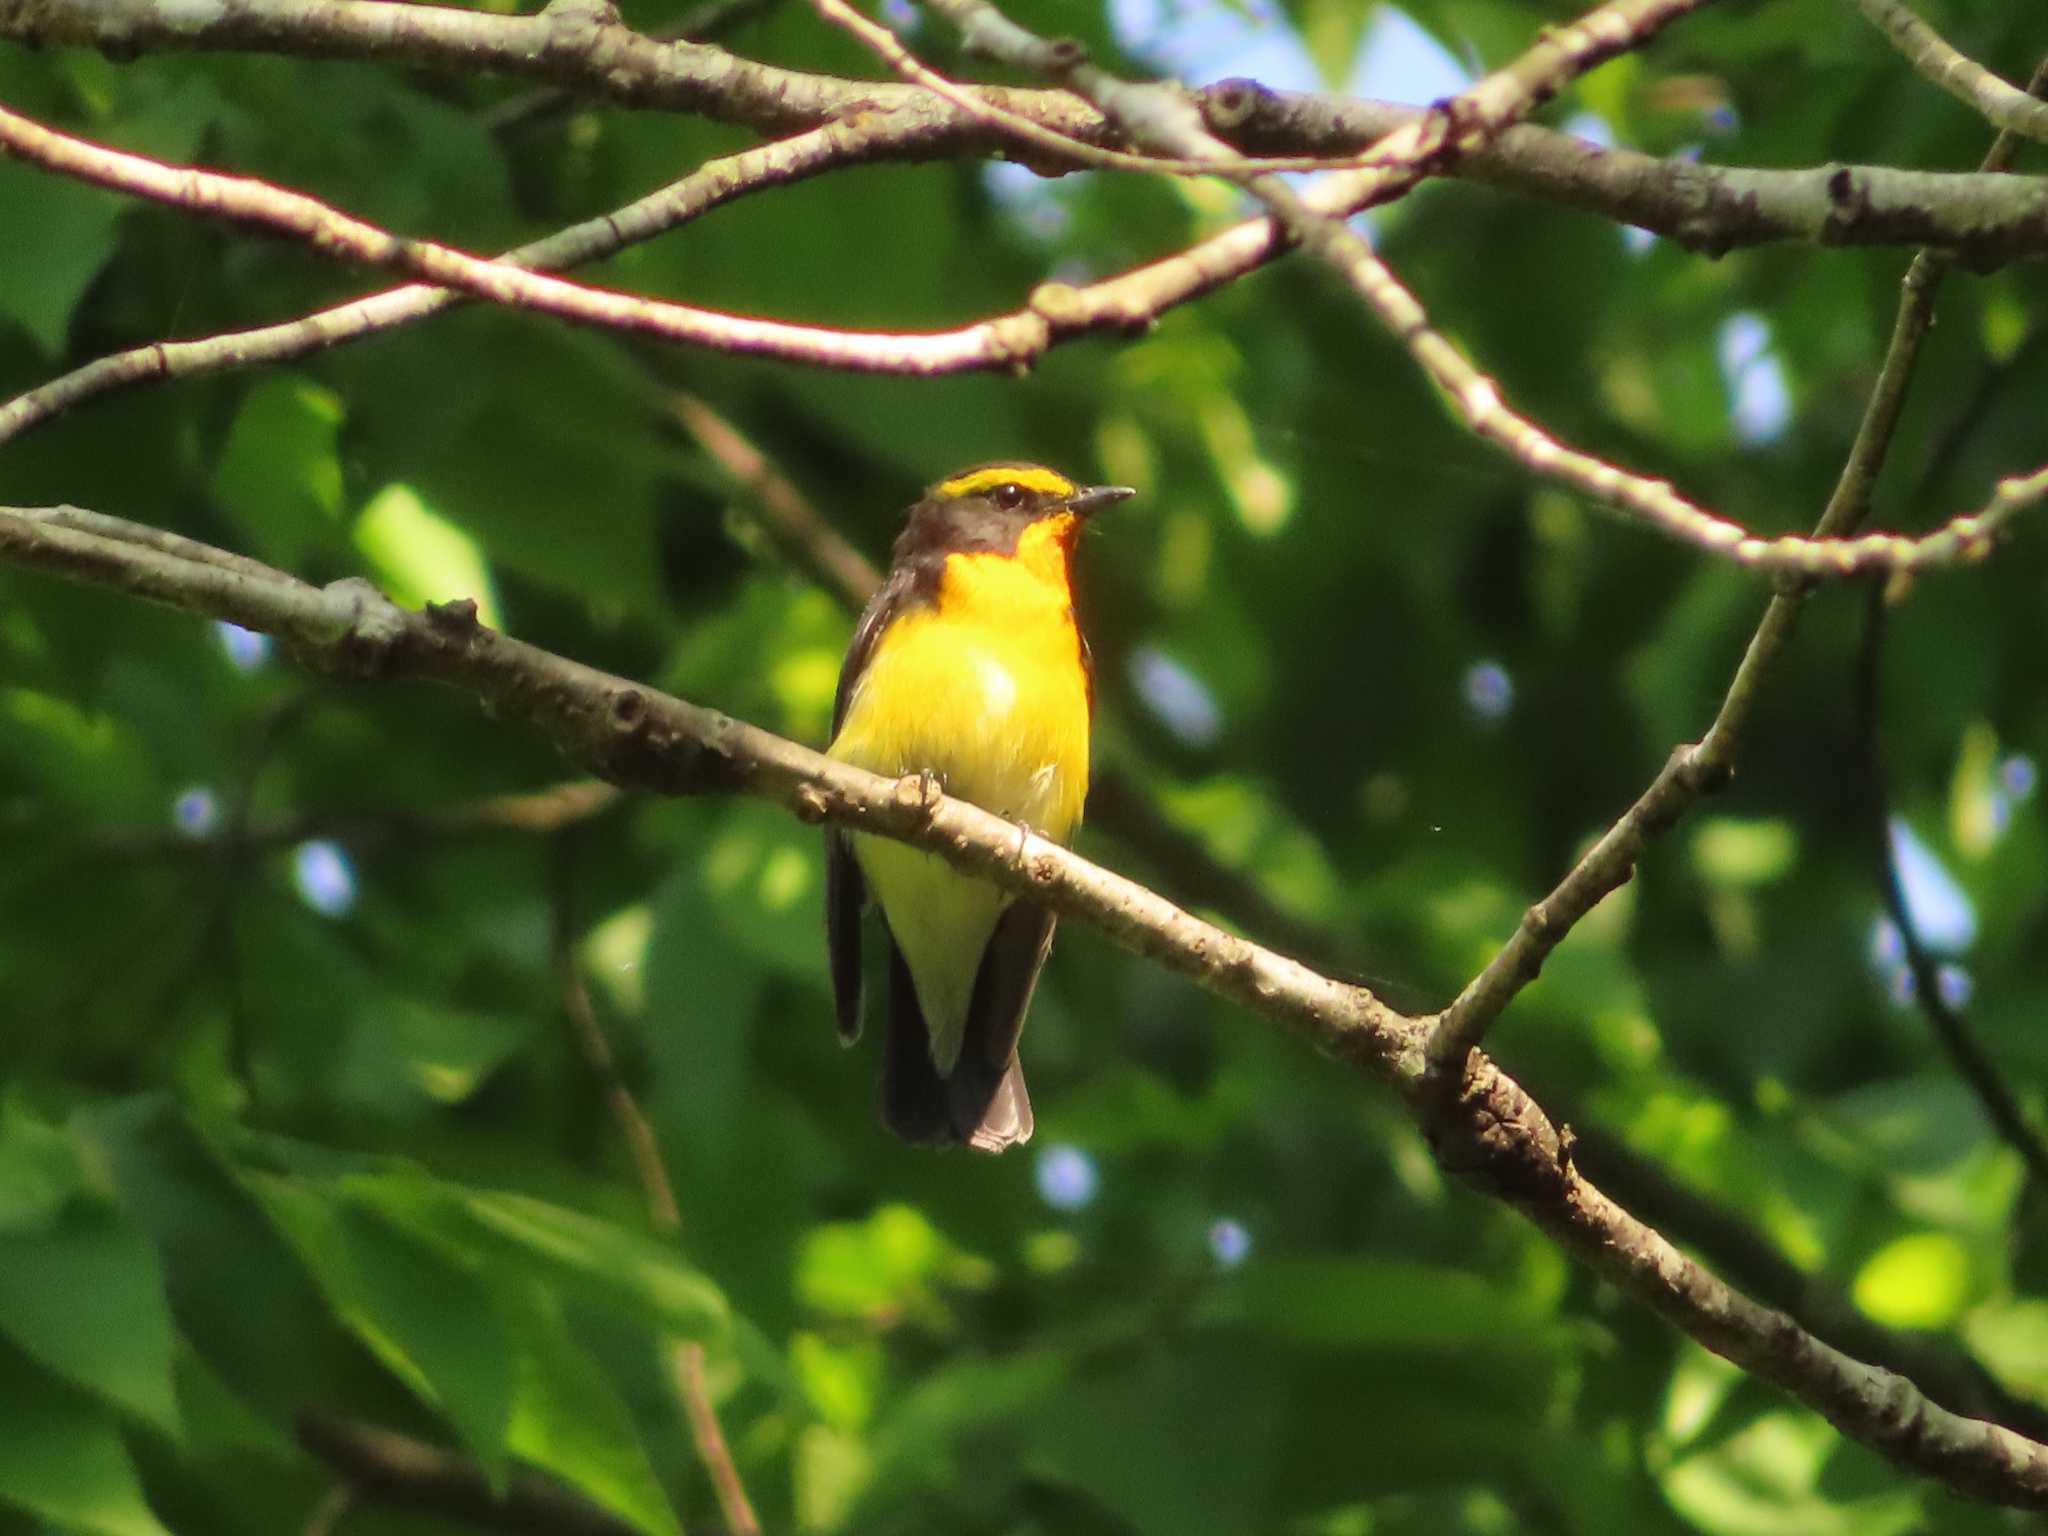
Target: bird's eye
[(1008, 496)]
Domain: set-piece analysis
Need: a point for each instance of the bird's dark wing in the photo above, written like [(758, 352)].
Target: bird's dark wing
[(845, 890), (906, 585), (844, 893)]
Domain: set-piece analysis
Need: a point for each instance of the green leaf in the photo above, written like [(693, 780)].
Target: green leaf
[(439, 1325), (1767, 1481), (624, 1269), (411, 1054), (451, 1323), (830, 1470), (75, 232), (280, 473), (568, 1420), (86, 1298), (1172, 1472), (63, 1462), (1389, 1304), (554, 474), (39, 1168), (236, 1290), (2011, 1338), (1921, 1280), (420, 557), (840, 1379), (1736, 853), (894, 1261), (918, 1440), (1332, 30), (703, 994)]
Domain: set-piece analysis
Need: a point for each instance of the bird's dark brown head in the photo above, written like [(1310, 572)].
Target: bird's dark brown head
[(986, 510)]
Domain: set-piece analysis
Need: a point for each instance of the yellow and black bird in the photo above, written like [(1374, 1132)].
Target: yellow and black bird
[(967, 665)]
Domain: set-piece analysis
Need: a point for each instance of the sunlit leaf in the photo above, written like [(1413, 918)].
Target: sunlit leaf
[(420, 557), (567, 1419), (63, 1462)]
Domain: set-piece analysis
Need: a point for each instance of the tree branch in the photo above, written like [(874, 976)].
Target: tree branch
[(1952, 1031), (710, 186), (1714, 209), (383, 1465), (687, 1362), (1489, 1132), (1985, 219), (784, 513), (1748, 1257), (332, 1509), (650, 1170), (571, 47), (1487, 107), (2001, 104), (335, 234), (685, 1357), (1695, 770), (1160, 118)]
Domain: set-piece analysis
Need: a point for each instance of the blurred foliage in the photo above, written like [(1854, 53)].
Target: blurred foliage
[(303, 1126)]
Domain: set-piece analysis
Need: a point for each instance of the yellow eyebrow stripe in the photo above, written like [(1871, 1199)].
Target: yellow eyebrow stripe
[(1029, 476)]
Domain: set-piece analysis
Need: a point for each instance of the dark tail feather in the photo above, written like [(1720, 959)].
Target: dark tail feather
[(983, 1103), (1007, 1119), (991, 1110), (916, 1101)]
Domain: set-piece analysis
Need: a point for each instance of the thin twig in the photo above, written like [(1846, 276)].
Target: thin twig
[(783, 511), (1951, 1030), (2002, 104), (650, 1170), (687, 1362), (332, 1509), (710, 186), (702, 25), (338, 235), (1065, 147), (664, 1214)]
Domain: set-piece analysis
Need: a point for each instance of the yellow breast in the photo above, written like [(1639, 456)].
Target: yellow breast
[(985, 687)]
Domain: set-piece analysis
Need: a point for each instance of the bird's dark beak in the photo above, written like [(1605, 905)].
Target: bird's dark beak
[(1091, 501)]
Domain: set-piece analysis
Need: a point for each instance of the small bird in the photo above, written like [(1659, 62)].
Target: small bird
[(967, 666)]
